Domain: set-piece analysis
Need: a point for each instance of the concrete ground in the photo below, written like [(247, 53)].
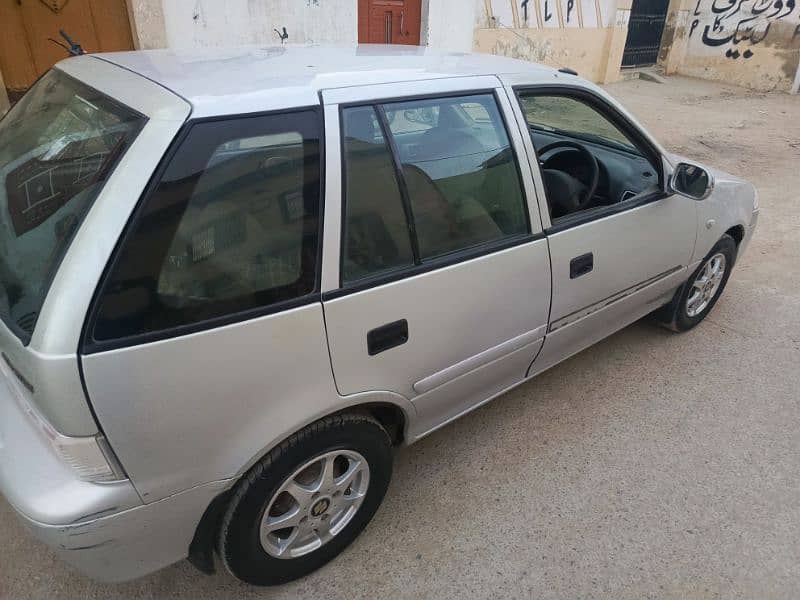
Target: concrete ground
[(650, 465)]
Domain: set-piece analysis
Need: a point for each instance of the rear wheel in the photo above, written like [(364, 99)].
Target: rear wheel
[(695, 299), (304, 502)]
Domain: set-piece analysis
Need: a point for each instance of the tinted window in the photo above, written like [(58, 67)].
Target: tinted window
[(231, 226), (560, 114), (58, 146), (587, 162), (376, 237), (459, 170)]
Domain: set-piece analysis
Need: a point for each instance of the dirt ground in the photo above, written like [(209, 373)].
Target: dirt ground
[(650, 465)]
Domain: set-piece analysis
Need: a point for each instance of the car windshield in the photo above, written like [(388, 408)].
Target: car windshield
[(58, 146)]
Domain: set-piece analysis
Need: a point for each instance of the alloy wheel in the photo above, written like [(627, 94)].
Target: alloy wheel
[(705, 285), (314, 504)]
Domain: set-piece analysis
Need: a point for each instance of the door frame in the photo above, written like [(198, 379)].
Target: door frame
[(334, 100), (365, 6), (442, 392), (626, 51), (618, 118), (570, 333)]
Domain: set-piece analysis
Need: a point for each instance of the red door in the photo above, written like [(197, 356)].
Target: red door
[(389, 21)]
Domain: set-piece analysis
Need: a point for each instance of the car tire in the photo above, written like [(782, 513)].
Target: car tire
[(695, 298), (257, 553)]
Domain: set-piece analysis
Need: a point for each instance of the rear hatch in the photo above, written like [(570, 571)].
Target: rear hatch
[(75, 153)]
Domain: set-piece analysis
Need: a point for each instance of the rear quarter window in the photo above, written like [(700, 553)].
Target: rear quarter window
[(231, 227)]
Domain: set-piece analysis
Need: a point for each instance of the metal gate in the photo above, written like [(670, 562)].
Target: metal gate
[(644, 32)]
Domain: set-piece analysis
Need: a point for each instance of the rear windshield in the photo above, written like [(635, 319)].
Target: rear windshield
[(58, 146)]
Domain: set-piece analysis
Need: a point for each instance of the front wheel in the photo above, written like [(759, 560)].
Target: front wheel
[(701, 291), (305, 501)]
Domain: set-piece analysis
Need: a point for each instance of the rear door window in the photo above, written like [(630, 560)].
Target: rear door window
[(446, 180), (231, 228), (376, 236), (58, 146), (460, 172)]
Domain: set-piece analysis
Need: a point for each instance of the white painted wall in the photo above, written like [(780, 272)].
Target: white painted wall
[(450, 24), (446, 24), (201, 23), (553, 14)]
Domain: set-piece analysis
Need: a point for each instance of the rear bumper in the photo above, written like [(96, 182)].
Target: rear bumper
[(131, 543), (103, 529)]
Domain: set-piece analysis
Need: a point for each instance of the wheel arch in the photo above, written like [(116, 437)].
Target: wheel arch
[(392, 411), (737, 233)]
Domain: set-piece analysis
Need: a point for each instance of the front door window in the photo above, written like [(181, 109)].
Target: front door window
[(588, 163)]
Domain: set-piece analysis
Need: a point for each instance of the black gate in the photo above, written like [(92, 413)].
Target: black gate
[(644, 32)]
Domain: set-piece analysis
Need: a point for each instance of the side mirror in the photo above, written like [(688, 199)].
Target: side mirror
[(691, 181)]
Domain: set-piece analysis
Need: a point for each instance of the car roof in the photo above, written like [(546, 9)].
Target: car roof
[(220, 81)]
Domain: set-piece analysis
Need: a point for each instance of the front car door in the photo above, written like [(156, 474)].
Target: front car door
[(622, 252), (442, 289)]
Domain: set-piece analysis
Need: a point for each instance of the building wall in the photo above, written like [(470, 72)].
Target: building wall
[(446, 24), (582, 34), (585, 35), (204, 23), (450, 24), (754, 43), (147, 24)]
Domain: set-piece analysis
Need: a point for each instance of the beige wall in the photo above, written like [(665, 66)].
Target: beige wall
[(585, 35), (760, 49), (4, 104), (594, 53)]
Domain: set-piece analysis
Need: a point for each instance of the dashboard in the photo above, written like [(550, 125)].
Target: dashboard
[(623, 174)]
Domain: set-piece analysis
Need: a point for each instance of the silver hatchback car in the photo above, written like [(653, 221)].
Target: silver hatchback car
[(231, 281)]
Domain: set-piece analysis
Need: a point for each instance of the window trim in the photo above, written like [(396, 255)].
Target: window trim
[(422, 266), (402, 185), (88, 345), (616, 118), (440, 262)]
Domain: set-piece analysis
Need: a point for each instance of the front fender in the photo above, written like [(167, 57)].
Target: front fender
[(731, 204)]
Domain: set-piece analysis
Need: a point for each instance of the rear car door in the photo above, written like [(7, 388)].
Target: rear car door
[(624, 254), (442, 289)]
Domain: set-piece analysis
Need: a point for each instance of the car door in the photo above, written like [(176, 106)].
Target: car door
[(442, 287), (626, 253)]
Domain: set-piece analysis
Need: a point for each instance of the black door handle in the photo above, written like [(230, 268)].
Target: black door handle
[(581, 265), (387, 336)]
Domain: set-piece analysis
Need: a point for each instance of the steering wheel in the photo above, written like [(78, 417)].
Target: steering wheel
[(571, 194)]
